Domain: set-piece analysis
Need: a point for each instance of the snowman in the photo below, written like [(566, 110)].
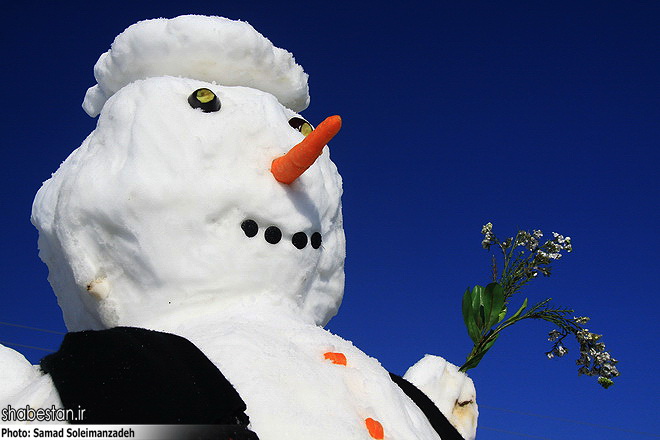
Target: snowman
[(195, 244)]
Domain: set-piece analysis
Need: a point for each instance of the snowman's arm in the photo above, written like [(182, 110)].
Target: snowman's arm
[(438, 420), (451, 391), (23, 385)]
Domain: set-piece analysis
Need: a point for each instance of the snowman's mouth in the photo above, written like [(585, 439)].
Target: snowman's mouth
[(273, 235)]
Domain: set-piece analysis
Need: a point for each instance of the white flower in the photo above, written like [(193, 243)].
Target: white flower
[(581, 319), (554, 335), (603, 357)]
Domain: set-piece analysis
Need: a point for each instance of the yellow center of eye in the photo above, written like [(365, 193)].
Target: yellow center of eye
[(306, 129), (205, 95)]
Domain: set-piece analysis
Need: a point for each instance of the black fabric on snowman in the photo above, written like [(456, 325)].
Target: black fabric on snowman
[(438, 420), (127, 375)]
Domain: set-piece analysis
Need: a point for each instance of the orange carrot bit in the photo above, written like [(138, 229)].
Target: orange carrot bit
[(287, 168), (375, 428), (336, 358)]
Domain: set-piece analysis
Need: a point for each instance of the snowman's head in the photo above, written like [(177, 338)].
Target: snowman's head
[(168, 209)]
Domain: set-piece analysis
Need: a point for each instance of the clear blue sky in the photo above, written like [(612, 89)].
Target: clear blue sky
[(455, 114)]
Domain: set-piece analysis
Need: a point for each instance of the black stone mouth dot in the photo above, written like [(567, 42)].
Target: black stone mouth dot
[(250, 228), (299, 240), (273, 235), (316, 240)]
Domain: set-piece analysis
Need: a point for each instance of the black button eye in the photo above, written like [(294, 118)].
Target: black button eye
[(301, 125), (205, 100)]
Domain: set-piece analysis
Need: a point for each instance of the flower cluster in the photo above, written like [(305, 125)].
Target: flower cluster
[(593, 360), (524, 257), (558, 350), (489, 237)]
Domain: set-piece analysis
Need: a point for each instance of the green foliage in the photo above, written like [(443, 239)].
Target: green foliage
[(482, 309)]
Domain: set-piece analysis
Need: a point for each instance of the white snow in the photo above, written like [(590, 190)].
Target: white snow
[(23, 385), (211, 49), (291, 390), (16, 373), (150, 208), (439, 379), (141, 226)]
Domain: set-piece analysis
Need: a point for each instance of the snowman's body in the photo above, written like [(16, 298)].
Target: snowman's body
[(291, 390), (144, 225)]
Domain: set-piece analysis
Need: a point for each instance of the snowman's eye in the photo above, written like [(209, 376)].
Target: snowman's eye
[(205, 100), (301, 125)]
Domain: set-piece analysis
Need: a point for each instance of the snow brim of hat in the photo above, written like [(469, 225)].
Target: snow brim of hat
[(211, 49)]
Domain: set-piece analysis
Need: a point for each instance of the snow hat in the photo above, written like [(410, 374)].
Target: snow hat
[(167, 212), (212, 49)]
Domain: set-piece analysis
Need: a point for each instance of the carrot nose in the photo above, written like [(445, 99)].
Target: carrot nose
[(289, 167)]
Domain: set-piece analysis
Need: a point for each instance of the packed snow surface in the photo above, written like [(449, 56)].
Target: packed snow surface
[(211, 49), (291, 390), (439, 379), (144, 219), (22, 384)]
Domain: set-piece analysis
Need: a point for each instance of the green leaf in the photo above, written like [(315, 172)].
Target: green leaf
[(477, 292), (486, 301), (520, 310), (468, 317), (474, 332), (474, 360), (502, 315), (493, 301), (490, 344), (471, 363), (467, 306), (605, 382)]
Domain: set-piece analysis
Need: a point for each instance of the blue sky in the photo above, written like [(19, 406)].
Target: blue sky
[(455, 114)]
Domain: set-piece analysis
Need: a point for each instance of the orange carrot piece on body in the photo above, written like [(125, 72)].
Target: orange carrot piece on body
[(375, 428), (336, 358)]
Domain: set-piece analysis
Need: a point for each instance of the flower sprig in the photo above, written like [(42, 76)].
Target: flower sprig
[(521, 267), (485, 308), (593, 360)]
